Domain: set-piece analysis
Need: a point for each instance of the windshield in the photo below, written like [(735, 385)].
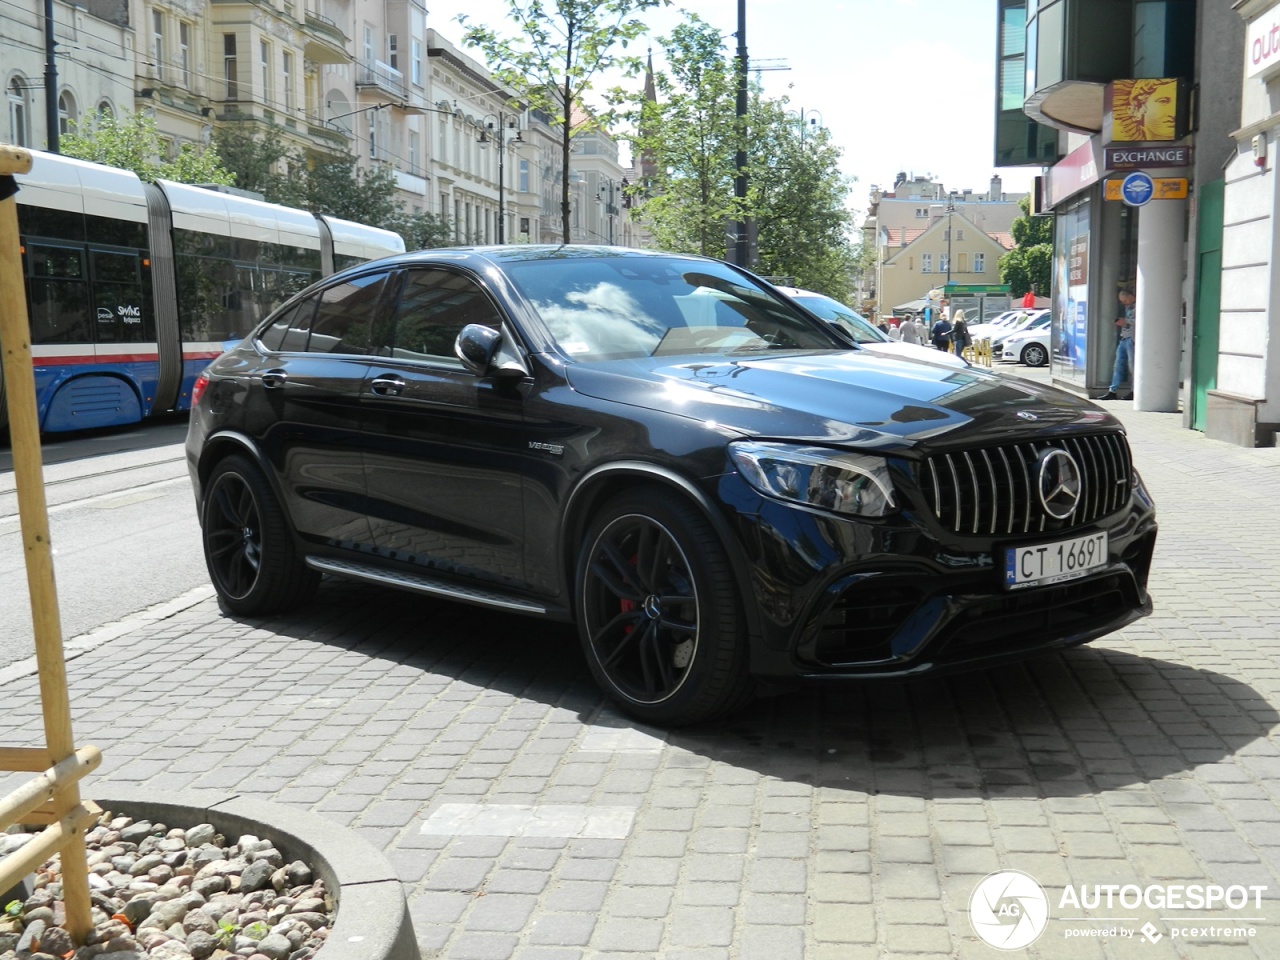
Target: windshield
[(608, 308), (835, 312)]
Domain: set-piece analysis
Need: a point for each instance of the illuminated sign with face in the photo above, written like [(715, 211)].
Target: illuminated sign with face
[(1148, 110)]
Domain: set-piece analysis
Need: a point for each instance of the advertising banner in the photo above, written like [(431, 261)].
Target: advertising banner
[(1145, 110)]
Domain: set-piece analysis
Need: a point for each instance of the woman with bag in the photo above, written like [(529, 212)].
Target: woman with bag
[(960, 338)]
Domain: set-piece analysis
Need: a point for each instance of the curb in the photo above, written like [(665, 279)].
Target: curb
[(372, 921), (82, 644)]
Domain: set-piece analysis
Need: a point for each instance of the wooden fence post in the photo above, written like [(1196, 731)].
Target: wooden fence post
[(24, 432)]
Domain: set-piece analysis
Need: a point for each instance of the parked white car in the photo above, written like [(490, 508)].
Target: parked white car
[(864, 333), (1030, 347)]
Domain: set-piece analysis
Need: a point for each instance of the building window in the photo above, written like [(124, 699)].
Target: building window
[(413, 151), (184, 52), (979, 263), (944, 263), (66, 112), (524, 177), (264, 67), (105, 110), (962, 263), (959, 233), (18, 113), (922, 213), (368, 46), (157, 43), (926, 263), (393, 51), (286, 68), (415, 60), (229, 65)]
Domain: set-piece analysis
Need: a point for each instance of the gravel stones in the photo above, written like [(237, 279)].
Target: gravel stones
[(176, 894)]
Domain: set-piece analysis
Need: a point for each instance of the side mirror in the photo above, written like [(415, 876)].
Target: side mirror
[(480, 349)]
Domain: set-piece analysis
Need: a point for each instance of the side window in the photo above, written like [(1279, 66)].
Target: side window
[(58, 295), (346, 314), (118, 303), (289, 330), (434, 306)]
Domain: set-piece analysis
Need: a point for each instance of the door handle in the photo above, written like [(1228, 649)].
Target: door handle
[(387, 386), (274, 379)]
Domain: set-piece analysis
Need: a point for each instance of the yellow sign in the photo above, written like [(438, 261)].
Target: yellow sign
[(1166, 188), (1145, 110)]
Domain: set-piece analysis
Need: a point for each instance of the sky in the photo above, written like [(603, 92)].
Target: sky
[(902, 85)]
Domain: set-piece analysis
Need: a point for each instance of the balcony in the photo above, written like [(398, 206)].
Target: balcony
[(326, 43), (382, 76)]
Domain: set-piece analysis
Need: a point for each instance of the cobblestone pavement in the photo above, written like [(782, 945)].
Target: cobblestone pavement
[(529, 820)]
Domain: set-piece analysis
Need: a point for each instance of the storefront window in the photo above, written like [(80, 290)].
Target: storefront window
[(1071, 253)]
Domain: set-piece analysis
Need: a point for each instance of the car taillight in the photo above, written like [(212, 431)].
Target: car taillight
[(198, 388)]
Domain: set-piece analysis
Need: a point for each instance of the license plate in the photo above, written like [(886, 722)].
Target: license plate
[(1054, 562)]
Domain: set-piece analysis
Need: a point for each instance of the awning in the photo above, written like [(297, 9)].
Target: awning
[(911, 306)]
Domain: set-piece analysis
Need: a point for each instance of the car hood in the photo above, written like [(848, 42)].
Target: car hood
[(839, 397)]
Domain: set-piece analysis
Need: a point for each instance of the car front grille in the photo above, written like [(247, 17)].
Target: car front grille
[(994, 491)]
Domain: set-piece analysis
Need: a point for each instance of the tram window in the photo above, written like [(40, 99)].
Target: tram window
[(434, 307), (288, 332), (58, 293), (118, 233), (120, 313), (346, 314), (55, 224)]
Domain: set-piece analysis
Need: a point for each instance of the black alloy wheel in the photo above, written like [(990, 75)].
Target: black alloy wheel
[(1034, 355), (248, 547), (659, 615)]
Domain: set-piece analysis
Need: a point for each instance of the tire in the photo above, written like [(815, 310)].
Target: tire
[(248, 546), (1034, 355), (659, 614)]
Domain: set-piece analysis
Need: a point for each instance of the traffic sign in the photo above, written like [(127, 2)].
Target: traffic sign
[(1137, 189), (1165, 188)]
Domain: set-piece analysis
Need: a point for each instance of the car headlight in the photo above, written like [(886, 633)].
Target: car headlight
[(850, 483)]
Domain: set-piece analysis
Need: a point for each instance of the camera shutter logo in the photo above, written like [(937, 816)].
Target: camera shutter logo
[(1009, 910)]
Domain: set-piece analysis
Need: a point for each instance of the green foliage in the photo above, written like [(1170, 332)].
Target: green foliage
[(425, 231), (227, 930), (256, 161), (559, 49), (1029, 265), (796, 196), (692, 134), (328, 185), (132, 143)]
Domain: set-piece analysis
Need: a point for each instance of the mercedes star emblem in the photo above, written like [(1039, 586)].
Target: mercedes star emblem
[(1060, 483)]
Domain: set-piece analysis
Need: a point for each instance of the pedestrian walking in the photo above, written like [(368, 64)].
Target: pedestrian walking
[(941, 332), (909, 330), (960, 339), (922, 331)]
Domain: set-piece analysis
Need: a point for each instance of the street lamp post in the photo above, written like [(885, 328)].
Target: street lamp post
[(496, 128), (951, 208)]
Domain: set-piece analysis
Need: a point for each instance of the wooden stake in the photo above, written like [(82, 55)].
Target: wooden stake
[(24, 432)]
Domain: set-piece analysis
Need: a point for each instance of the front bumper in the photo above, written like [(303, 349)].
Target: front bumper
[(845, 598)]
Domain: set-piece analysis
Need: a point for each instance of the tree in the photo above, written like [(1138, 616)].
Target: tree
[(256, 162), (559, 50), (797, 199), (1029, 265), (132, 143), (691, 133), (796, 196)]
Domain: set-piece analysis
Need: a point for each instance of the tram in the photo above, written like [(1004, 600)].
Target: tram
[(132, 288)]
